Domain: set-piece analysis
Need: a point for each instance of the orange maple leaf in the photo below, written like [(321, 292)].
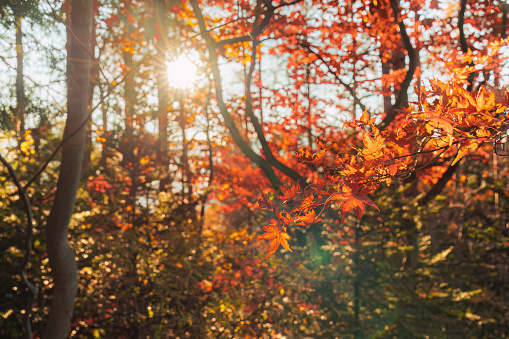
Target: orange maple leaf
[(365, 118), (307, 219), (465, 147), (285, 218), (289, 192), (276, 237), (306, 204)]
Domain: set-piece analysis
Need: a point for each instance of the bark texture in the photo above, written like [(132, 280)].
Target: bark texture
[(61, 255)]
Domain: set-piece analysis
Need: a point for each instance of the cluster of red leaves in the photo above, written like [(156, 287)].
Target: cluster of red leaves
[(449, 119), (98, 184)]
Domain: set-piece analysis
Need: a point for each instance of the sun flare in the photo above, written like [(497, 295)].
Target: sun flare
[(182, 73)]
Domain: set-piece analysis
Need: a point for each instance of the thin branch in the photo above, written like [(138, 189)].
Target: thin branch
[(230, 123), (461, 28), (83, 124), (349, 88), (222, 43), (412, 67), (28, 247), (464, 42), (439, 186), (258, 128)]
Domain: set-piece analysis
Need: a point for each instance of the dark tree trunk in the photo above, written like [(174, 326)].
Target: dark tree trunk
[(386, 69), (61, 255)]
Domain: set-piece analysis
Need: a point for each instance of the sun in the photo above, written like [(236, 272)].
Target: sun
[(182, 73)]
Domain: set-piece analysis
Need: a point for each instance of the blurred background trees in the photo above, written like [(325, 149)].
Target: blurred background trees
[(166, 213)]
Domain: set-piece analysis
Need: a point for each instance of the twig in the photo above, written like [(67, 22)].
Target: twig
[(28, 246)]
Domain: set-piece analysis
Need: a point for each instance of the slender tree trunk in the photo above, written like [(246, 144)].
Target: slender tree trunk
[(162, 95), (61, 256), (20, 83), (128, 152), (160, 13), (94, 77), (386, 69), (309, 109), (260, 89), (356, 284), (398, 62), (186, 185), (104, 155)]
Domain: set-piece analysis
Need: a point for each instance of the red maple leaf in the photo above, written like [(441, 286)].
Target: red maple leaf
[(352, 201), (289, 192)]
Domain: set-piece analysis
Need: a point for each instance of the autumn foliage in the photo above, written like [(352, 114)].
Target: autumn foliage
[(337, 169)]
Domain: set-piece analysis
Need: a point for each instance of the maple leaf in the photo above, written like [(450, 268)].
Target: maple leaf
[(308, 218), (276, 237), (357, 202), (365, 118), (373, 146), (306, 204), (289, 192), (285, 218), (305, 155), (445, 124), (266, 200), (352, 201), (465, 147)]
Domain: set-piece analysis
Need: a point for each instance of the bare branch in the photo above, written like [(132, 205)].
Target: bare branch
[(412, 67), (230, 123), (34, 291), (356, 100)]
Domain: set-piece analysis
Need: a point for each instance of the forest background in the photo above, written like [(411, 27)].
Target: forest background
[(136, 197)]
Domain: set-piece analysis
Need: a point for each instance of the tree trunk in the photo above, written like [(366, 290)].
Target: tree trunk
[(94, 77), (129, 141), (162, 94), (20, 84), (61, 256)]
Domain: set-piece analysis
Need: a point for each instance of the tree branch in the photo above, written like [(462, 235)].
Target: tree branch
[(230, 123), (464, 42), (28, 247), (258, 128), (439, 186), (412, 66), (356, 100), (461, 23)]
